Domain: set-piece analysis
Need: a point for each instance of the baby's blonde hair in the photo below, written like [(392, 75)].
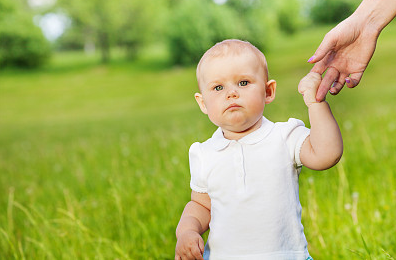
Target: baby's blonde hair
[(235, 47)]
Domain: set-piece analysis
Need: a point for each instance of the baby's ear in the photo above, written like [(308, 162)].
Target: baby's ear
[(201, 103), (270, 89)]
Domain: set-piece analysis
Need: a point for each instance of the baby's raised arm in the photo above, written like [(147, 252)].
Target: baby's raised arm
[(193, 223), (323, 147)]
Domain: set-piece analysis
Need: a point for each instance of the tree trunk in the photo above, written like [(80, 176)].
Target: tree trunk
[(104, 43)]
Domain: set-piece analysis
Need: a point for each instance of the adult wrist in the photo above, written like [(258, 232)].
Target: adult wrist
[(374, 15)]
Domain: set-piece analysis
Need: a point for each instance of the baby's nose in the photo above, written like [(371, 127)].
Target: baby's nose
[(233, 94)]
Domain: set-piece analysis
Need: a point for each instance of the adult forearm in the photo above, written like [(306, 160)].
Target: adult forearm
[(376, 13)]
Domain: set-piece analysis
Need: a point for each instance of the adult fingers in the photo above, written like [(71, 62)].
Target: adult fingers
[(354, 79), (319, 67), (332, 75), (328, 44), (338, 85), (177, 257)]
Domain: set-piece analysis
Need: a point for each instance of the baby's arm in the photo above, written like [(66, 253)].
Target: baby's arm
[(193, 223), (323, 147)]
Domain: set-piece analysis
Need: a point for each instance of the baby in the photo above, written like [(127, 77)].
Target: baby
[(244, 179)]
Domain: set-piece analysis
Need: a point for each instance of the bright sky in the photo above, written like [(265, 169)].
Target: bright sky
[(220, 2), (52, 24)]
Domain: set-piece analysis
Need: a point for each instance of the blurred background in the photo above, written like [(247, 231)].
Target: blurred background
[(97, 115), (184, 28)]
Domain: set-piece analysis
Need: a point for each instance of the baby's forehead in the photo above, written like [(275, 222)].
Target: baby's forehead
[(208, 59), (231, 48)]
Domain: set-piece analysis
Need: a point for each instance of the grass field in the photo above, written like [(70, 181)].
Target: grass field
[(94, 158)]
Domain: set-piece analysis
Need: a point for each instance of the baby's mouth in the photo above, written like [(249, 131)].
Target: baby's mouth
[(233, 107)]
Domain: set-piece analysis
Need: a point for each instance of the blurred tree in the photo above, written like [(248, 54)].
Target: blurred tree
[(331, 11), (289, 15), (141, 24), (260, 21), (21, 42), (6, 7), (196, 25), (129, 23), (71, 39)]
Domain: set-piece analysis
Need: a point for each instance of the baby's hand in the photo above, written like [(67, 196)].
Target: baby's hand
[(309, 86), (190, 245)]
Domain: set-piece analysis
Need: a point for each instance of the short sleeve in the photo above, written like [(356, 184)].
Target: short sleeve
[(295, 133), (198, 182)]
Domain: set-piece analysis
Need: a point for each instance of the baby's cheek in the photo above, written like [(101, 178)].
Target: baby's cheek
[(257, 104)]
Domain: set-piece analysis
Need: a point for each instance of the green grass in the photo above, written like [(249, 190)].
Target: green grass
[(94, 158)]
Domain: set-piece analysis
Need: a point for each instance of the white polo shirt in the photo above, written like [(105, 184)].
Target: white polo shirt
[(253, 187)]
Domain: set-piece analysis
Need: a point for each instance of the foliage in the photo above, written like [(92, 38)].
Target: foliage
[(6, 7), (141, 25), (195, 26), (331, 11), (22, 43), (110, 23), (71, 39), (198, 24), (289, 16)]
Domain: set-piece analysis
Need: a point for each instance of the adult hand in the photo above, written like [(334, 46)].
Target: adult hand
[(345, 52)]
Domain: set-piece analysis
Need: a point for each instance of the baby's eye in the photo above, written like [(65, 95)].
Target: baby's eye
[(218, 88), (243, 83)]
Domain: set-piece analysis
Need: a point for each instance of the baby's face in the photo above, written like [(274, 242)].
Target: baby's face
[(233, 91)]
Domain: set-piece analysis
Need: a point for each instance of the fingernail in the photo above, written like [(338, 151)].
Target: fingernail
[(347, 81), (310, 59)]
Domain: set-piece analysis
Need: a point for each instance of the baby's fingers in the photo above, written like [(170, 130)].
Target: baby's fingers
[(196, 252), (308, 87), (310, 81), (314, 77), (201, 245), (186, 256)]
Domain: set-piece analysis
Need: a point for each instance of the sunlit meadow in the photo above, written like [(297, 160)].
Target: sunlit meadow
[(94, 158)]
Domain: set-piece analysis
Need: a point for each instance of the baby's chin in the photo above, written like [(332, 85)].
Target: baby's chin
[(240, 125)]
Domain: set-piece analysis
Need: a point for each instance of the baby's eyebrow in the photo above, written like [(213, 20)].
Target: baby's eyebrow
[(246, 75), (214, 82)]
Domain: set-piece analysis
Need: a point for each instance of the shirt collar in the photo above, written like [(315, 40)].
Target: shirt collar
[(219, 142)]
